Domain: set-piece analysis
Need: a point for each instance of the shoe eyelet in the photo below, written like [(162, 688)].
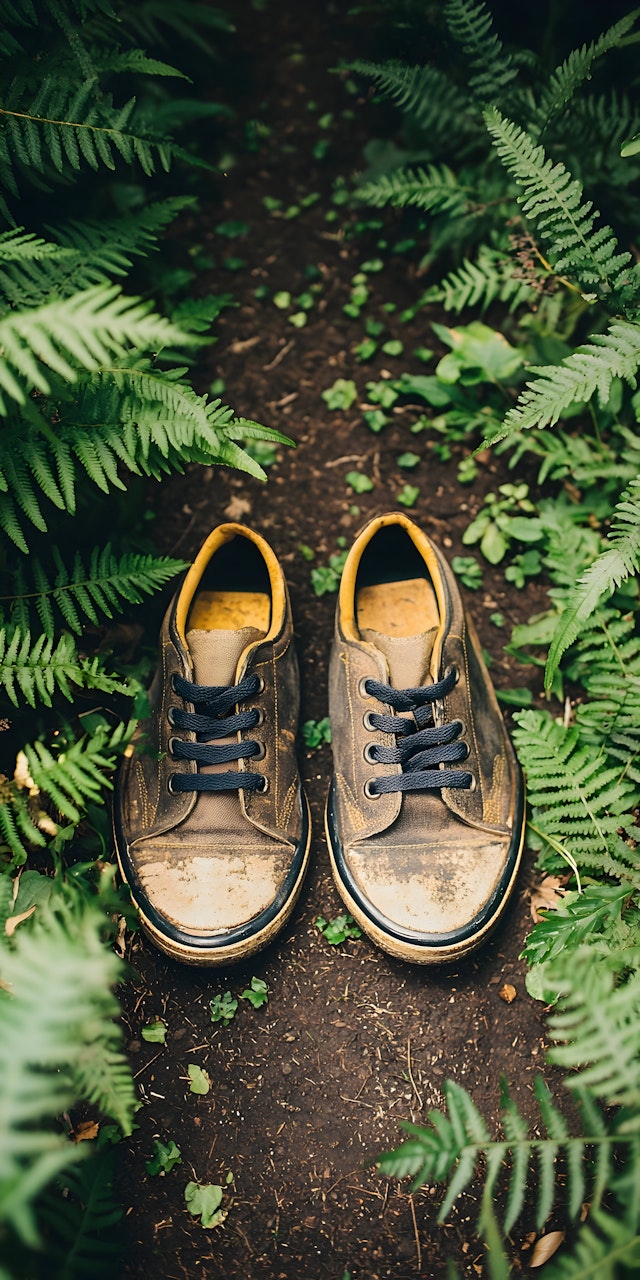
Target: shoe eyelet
[(172, 682), (170, 751), (371, 795), (474, 783), (260, 753), (260, 714), (467, 750), (171, 713), (366, 720), (370, 759), (260, 680), (170, 787), (264, 786), (455, 669), (361, 687)]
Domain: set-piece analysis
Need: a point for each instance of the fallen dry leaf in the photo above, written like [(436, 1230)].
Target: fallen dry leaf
[(546, 896), (85, 1131), (507, 993), (237, 508), (546, 1248), (12, 923)]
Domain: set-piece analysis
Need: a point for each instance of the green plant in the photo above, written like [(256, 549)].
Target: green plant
[(203, 1201), (339, 929), (256, 994), (223, 1008), (316, 732), (165, 1158), (199, 1080), (496, 525), (341, 395)]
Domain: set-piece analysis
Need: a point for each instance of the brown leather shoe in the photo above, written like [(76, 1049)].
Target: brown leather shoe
[(211, 823), (425, 813)]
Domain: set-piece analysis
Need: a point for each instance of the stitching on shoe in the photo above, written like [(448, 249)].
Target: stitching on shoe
[(351, 715), (144, 793), (287, 807), (471, 718), (492, 806), (353, 809)]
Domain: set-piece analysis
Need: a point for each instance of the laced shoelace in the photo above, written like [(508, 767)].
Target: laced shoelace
[(211, 720), (423, 748)]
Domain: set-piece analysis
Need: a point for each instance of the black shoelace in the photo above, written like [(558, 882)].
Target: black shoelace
[(422, 746), (212, 720)]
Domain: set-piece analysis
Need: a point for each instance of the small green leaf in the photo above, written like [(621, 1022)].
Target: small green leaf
[(358, 482), (232, 230), (203, 1201), (223, 1008), (498, 619), (306, 552), (316, 732), (408, 495), (468, 571), (282, 300), (166, 1157), (298, 319), (375, 420), (256, 994), (155, 1032), (515, 697), (393, 347), (365, 349), (339, 929), (199, 1079), (382, 393), (408, 460), (341, 395), (493, 544)]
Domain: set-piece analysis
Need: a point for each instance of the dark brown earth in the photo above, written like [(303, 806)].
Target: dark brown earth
[(307, 1091)]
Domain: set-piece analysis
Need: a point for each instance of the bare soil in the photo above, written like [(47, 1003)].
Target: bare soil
[(309, 1090)]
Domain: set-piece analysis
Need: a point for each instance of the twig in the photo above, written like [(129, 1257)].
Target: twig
[(415, 1232), (348, 457), (410, 1074), (147, 1064), (280, 355)]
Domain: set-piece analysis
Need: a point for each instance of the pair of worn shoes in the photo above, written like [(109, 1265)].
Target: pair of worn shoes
[(424, 818)]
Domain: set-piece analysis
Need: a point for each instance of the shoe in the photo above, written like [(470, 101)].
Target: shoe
[(211, 824), (425, 813)]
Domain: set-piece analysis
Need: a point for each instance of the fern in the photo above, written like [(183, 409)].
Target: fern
[(579, 799), (61, 128), (81, 1215), (573, 72), (492, 69), (611, 568), (452, 1146), (37, 670), (159, 21), (602, 1248), (490, 278), (86, 589), (553, 201), (435, 189), (591, 368), (34, 271), (86, 328), (55, 1007), (65, 780), (436, 104), (595, 1028)]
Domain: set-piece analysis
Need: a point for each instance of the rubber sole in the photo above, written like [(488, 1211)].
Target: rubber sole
[(421, 953), (221, 955)]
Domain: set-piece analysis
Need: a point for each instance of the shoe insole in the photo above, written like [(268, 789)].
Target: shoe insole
[(405, 608), (230, 611)]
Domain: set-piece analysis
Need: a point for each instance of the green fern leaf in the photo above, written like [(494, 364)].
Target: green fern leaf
[(589, 369), (612, 567), (567, 78), (37, 670), (579, 800), (471, 25), (81, 1213), (478, 284), (434, 188), (553, 201), (603, 1246), (595, 1028), (55, 1005), (436, 104), (103, 585), (85, 329)]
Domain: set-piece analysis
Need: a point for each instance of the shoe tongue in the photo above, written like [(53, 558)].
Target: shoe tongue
[(215, 654), (408, 657)]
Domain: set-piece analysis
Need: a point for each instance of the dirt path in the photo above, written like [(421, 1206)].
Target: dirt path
[(309, 1089)]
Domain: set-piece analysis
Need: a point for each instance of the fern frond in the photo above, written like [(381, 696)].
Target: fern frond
[(55, 1005), (434, 188), (34, 271), (64, 128), (156, 22), (81, 1213), (38, 669), (613, 566), (471, 26), (490, 278), (606, 661), (102, 584), (553, 202), (136, 62), (579, 799), (73, 777), (573, 72), (591, 368), (594, 1027), (450, 1149), (579, 918), (604, 1246), (85, 329), (438, 106)]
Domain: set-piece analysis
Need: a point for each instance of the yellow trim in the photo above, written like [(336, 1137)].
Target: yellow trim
[(225, 533), (350, 571)]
